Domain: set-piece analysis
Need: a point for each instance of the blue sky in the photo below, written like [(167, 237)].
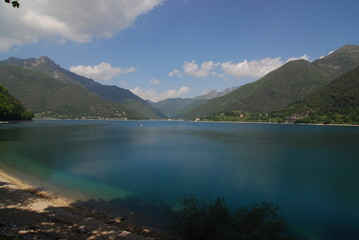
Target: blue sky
[(176, 48)]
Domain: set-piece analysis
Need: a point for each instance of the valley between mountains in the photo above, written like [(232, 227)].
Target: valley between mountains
[(323, 91)]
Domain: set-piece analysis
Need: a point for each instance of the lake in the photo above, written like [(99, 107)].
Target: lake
[(134, 168)]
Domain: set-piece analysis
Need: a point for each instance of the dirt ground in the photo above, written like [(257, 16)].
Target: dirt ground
[(28, 213)]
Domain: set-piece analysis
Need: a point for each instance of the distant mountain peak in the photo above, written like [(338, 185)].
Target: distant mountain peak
[(112, 93), (43, 61), (350, 48), (339, 61), (214, 93), (283, 86), (30, 62)]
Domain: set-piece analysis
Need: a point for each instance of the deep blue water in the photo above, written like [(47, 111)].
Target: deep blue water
[(134, 168)]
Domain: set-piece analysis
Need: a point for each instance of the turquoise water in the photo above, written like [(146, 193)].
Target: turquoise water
[(134, 168)]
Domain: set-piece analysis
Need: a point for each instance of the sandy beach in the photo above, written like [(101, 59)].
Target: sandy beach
[(29, 213)]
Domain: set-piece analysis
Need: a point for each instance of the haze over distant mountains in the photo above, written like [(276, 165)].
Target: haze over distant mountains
[(176, 107)]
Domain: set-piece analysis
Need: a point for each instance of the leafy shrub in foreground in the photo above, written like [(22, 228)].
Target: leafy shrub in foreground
[(210, 219)]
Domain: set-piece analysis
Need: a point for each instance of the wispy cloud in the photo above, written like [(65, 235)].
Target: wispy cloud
[(102, 71), (192, 69), (327, 54), (154, 96), (175, 73), (155, 81), (251, 69), (304, 57), (78, 21)]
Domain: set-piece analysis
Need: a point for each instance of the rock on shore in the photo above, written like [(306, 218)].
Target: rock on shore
[(28, 213)]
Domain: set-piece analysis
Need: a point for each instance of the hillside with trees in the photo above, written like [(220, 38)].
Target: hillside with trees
[(112, 93), (12, 109), (279, 88), (335, 103), (50, 97)]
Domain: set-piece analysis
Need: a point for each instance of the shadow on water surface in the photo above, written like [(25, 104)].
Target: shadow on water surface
[(265, 151), (136, 210), (104, 219), (24, 215)]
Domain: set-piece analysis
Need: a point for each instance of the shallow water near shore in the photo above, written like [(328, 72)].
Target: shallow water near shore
[(134, 168)]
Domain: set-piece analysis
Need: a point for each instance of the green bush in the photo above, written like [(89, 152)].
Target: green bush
[(210, 219), (12, 109)]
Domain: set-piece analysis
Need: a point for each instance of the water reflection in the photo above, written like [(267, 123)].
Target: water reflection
[(310, 171)]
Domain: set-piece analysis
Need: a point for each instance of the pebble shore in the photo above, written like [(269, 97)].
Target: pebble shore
[(28, 213)]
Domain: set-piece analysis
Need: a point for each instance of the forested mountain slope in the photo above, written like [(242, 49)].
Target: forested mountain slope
[(12, 109), (337, 102), (112, 93), (48, 96), (285, 85)]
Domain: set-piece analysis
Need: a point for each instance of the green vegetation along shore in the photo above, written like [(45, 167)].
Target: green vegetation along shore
[(321, 92), (335, 103), (12, 109)]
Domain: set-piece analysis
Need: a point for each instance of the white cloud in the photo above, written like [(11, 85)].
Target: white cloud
[(304, 57), (327, 54), (149, 94), (154, 81), (156, 97), (253, 69), (174, 73), (192, 69), (78, 21), (102, 71)]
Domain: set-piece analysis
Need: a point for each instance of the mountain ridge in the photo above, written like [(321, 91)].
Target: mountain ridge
[(290, 82), (111, 93), (50, 97), (335, 103), (176, 107)]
